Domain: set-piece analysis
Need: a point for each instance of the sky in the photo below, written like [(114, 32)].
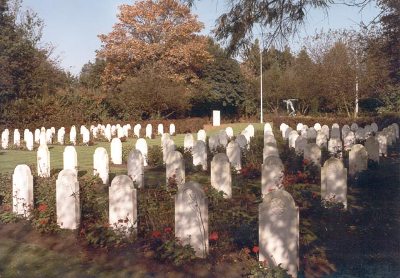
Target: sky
[(72, 26)]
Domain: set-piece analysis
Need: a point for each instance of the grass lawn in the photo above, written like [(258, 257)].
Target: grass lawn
[(9, 159)]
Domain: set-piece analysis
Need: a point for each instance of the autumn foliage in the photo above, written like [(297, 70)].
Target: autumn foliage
[(159, 32)]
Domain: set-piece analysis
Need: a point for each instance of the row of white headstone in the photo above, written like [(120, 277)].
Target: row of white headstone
[(45, 136)]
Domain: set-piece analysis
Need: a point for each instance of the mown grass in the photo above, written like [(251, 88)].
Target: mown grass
[(9, 159)]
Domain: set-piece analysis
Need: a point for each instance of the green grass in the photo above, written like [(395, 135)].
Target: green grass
[(9, 159)]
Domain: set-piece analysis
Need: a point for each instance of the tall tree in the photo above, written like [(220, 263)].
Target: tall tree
[(157, 32)]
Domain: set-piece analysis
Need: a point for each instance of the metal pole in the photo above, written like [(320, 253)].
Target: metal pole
[(261, 84), (356, 108)]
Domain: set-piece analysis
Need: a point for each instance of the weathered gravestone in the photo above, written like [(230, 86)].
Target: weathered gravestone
[(43, 161), (70, 158), (221, 178), (335, 146), (149, 131), (175, 167), (358, 159), (233, 154), (101, 164), (135, 167), (334, 181), (278, 231), (188, 142), (311, 134), (354, 127), (272, 174), (123, 204), (141, 145), (313, 153), (201, 135), (22, 190), (372, 147), (360, 134), (335, 132), (216, 118), (191, 217), (67, 199), (345, 130), (199, 153), (116, 151)]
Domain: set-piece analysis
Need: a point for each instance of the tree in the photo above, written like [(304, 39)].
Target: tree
[(223, 85), (158, 32), (90, 76)]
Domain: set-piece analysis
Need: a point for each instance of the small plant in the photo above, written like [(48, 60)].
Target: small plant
[(172, 250), (155, 157)]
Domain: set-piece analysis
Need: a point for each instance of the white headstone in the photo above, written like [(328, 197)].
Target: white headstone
[(349, 140), (358, 159), (382, 139), (202, 135), (200, 154), (123, 204), (22, 190), (299, 127), (85, 136), (141, 145), (61, 136), (101, 164), (292, 139), (191, 217), (168, 146), (17, 138), (216, 118), (270, 150), (372, 147), (43, 161), (70, 158), (269, 139), (72, 135), (37, 136), (221, 178), (321, 140), (317, 127), (242, 141), (160, 129), (278, 231), (175, 167), (4, 139), (172, 129), (213, 142), (223, 138), (136, 130), (325, 130), (300, 144), (136, 167), (272, 174), (149, 130), (108, 133), (335, 146), (250, 128), (233, 154), (313, 153), (229, 132), (29, 141), (67, 199), (116, 151), (188, 142), (334, 181), (42, 138)]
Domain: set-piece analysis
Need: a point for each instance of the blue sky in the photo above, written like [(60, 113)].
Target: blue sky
[(72, 26)]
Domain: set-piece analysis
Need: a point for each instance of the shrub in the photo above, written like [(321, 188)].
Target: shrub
[(155, 156)]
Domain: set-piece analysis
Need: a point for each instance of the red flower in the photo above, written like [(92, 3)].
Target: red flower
[(214, 236), (42, 207), (43, 221), (168, 230), (156, 234), (314, 195), (255, 249)]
